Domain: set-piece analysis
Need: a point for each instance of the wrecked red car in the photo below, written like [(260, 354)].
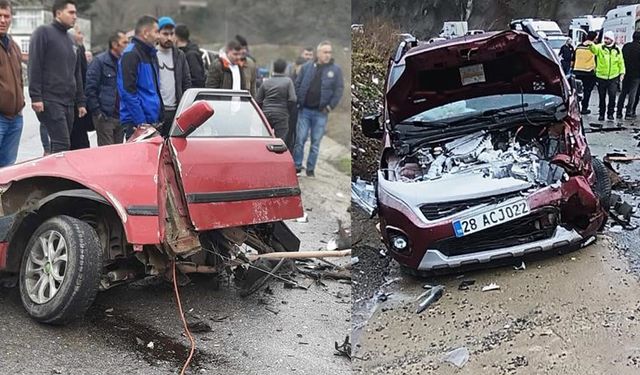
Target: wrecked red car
[(484, 154), (78, 222)]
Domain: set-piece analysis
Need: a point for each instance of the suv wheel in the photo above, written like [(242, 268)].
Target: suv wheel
[(60, 270)]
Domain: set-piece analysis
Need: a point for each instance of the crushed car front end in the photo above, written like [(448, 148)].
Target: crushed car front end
[(484, 157)]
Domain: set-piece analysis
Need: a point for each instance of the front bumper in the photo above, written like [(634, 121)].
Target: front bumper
[(432, 244)]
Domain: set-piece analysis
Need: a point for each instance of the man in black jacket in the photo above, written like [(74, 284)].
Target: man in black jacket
[(275, 96), (174, 76), (193, 55), (55, 77), (631, 80)]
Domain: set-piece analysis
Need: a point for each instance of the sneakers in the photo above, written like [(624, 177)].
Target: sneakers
[(585, 112), (310, 173), (298, 172), (601, 118)]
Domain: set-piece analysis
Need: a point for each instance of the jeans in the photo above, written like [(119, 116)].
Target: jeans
[(629, 87), (311, 122), (10, 132), (108, 130), (58, 119), (279, 121), (607, 87)]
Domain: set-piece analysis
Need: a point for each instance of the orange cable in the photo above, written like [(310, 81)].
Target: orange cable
[(184, 321)]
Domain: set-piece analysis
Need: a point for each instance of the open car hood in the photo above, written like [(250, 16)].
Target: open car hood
[(508, 62)]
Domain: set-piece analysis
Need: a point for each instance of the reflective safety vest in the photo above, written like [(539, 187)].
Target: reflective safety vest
[(585, 60)]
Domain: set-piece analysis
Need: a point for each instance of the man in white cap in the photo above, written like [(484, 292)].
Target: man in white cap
[(609, 70)]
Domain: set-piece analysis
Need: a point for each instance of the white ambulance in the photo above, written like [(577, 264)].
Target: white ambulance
[(580, 26), (623, 21)]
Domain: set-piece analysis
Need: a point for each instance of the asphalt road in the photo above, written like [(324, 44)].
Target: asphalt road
[(279, 331)]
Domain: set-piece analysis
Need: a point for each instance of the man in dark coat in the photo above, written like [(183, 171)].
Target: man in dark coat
[(631, 80), (275, 96), (193, 55), (102, 92), (227, 70)]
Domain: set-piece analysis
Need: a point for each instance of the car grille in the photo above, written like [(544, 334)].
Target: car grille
[(537, 226), (436, 211)]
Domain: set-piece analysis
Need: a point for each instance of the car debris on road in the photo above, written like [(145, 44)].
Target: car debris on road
[(434, 295)]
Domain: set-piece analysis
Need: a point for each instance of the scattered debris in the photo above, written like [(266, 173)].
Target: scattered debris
[(151, 345), (457, 357), (343, 241), (355, 260), (363, 194), (522, 267), (621, 157), (490, 287), (109, 310), (598, 128), (434, 294), (303, 219), (616, 229), (199, 326), (344, 350), (272, 310), (383, 297), (219, 319), (621, 213), (464, 284)]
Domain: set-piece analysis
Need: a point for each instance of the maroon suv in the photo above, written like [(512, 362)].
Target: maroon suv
[(484, 154)]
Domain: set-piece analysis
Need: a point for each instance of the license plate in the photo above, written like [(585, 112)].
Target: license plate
[(490, 218)]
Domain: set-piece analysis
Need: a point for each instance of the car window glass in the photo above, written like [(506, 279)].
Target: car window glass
[(466, 107), (234, 116)]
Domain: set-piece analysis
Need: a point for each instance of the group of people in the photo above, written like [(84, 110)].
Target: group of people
[(611, 68), (139, 81)]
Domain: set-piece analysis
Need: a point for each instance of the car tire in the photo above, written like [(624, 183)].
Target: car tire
[(602, 187), (59, 284)]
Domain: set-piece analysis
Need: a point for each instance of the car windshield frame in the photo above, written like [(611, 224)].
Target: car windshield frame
[(223, 106)]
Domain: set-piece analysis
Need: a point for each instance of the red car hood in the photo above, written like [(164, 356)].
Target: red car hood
[(488, 64)]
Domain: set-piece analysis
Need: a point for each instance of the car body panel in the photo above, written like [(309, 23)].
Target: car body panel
[(437, 74)]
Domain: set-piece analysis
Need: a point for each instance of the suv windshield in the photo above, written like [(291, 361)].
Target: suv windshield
[(450, 112), (234, 116)]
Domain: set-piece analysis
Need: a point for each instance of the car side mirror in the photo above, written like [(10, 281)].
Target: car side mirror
[(371, 126), (192, 118)]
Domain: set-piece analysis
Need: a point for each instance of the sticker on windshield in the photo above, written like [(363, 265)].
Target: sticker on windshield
[(472, 74)]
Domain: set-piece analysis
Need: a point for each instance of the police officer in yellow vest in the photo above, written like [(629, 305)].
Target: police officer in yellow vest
[(609, 69), (584, 68)]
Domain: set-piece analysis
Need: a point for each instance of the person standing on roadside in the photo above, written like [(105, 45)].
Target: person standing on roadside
[(193, 56), (227, 71), (319, 88), (292, 72), (249, 65), (275, 96), (631, 81), (102, 91), (55, 77), (609, 68), (174, 77), (566, 54), (11, 90), (81, 125), (584, 68), (137, 77)]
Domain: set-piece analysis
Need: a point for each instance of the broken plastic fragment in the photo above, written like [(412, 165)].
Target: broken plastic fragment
[(457, 357), (303, 219), (490, 287), (434, 294), (151, 345), (363, 194), (522, 267)]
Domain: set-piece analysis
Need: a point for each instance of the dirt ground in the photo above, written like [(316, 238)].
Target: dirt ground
[(575, 313)]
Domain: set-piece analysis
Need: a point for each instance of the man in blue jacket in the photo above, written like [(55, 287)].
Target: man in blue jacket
[(102, 91), (319, 87), (140, 99)]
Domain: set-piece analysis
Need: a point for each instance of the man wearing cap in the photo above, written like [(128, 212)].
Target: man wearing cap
[(175, 77), (609, 69)]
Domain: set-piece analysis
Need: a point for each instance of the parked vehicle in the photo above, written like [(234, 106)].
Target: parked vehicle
[(474, 32), (484, 156), (77, 222), (452, 29), (623, 21), (537, 27), (580, 26), (556, 42)]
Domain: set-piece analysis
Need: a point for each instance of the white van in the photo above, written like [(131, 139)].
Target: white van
[(543, 28), (580, 26), (623, 21)]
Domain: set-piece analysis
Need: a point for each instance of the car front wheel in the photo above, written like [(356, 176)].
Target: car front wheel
[(60, 270)]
